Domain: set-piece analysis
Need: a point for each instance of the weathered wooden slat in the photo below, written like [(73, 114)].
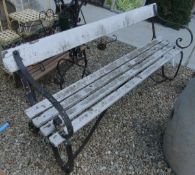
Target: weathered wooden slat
[(65, 93), (104, 104), (34, 68), (47, 129), (80, 95), (117, 77), (37, 51), (106, 90), (56, 139), (48, 66)]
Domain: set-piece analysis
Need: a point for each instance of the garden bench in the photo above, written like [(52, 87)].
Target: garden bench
[(59, 116)]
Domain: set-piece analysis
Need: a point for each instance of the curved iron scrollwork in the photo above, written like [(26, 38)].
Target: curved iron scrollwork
[(179, 40), (63, 65), (69, 164), (69, 13)]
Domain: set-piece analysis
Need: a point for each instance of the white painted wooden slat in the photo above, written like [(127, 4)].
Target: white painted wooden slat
[(56, 139), (52, 112), (61, 95), (47, 129), (97, 109), (104, 104), (121, 77), (39, 50), (97, 96)]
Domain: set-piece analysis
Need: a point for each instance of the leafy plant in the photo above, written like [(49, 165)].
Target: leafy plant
[(109, 2), (177, 11), (125, 5)]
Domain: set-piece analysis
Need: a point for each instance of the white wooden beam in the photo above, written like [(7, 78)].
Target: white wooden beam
[(39, 50)]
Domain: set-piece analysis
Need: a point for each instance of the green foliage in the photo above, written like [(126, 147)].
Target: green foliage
[(125, 5), (109, 2), (177, 11)]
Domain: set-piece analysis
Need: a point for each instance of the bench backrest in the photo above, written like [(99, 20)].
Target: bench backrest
[(42, 49)]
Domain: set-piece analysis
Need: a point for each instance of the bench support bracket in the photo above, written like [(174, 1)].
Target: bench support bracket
[(66, 166), (69, 165), (178, 44), (76, 55), (29, 79), (166, 77)]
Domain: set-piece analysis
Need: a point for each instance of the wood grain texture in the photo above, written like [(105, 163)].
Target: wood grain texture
[(37, 51), (47, 65), (108, 101), (100, 94), (77, 86), (102, 87)]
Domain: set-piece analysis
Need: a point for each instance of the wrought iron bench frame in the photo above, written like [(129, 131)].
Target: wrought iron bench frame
[(27, 78)]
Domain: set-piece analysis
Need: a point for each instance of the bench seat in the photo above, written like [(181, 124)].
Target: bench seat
[(89, 97)]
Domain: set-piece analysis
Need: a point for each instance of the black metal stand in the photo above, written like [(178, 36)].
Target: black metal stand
[(69, 13), (66, 166)]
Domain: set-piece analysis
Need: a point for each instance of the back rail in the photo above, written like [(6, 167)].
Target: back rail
[(39, 50)]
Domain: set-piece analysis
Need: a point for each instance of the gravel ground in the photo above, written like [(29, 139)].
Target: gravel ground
[(128, 140)]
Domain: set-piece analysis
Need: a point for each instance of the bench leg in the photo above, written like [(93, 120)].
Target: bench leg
[(168, 78), (76, 55), (69, 164), (59, 78), (176, 73), (84, 67)]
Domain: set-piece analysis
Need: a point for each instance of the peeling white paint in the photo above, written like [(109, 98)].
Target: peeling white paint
[(50, 46)]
